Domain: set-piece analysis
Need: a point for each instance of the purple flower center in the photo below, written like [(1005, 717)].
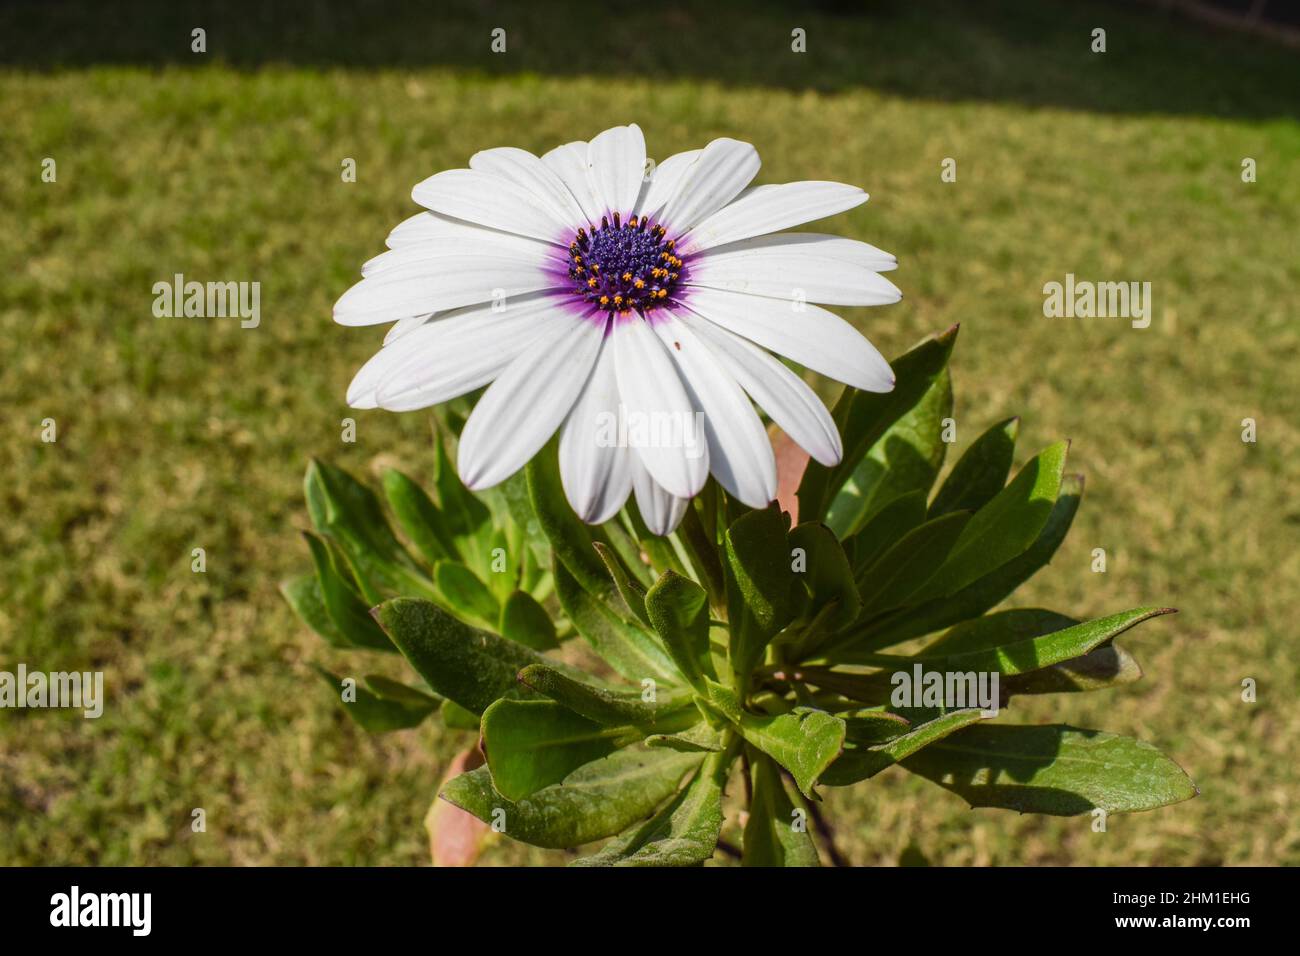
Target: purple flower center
[(624, 266)]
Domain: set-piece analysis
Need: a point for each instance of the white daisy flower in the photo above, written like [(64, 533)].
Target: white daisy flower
[(636, 313)]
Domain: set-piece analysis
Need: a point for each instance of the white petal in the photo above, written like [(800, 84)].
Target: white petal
[(595, 470), (403, 326), (740, 454), (426, 225), (766, 209), (616, 160), (662, 512), (811, 336), (717, 176), (453, 354), (418, 228), (492, 201), (811, 268), (526, 170), (475, 241), (521, 410), (659, 413), (795, 245), (663, 183), (781, 393), (448, 281), (569, 162)]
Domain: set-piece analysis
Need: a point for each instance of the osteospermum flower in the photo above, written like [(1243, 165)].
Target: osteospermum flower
[(635, 313)]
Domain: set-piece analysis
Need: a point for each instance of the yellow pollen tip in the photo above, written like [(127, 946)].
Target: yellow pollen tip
[(591, 283), (639, 283)]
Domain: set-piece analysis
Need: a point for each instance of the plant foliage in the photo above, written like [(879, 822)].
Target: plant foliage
[(622, 684)]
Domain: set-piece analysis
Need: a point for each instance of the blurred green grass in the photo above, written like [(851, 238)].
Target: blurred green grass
[(183, 433)]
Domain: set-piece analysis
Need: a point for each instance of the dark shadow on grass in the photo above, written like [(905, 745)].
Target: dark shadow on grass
[(1031, 52)]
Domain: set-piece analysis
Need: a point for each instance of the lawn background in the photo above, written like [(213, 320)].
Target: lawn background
[(183, 433)]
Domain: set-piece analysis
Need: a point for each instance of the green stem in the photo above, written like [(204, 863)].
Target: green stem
[(703, 554)]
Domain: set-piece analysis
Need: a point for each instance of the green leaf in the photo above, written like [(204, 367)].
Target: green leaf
[(377, 713), (859, 763), (304, 595), (998, 628), (980, 473), (869, 726), (862, 417), (1057, 770), (884, 529), (700, 738), (776, 833), (848, 684), (759, 584), (804, 741), (456, 717), (973, 600), (679, 610), (1103, 667), (595, 801), (1023, 656), (467, 596), (350, 514), (526, 622), (895, 576), (517, 513), (467, 519), (1005, 527), (394, 690), (1100, 669), (462, 663), (684, 833), (531, 744), (571, 540), (906, 458), (631, 591), (701, 546), (670, 712), (349, 614), (337, 500), (632, 651), (828, 575), (418, 517), (503, 576), (997, 644), (659, 549)]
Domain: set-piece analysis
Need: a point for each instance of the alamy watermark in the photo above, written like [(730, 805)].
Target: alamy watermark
[(951, 690), (1084, 299), (130, 910), (78, 690), (637, 429), (208, 300)]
